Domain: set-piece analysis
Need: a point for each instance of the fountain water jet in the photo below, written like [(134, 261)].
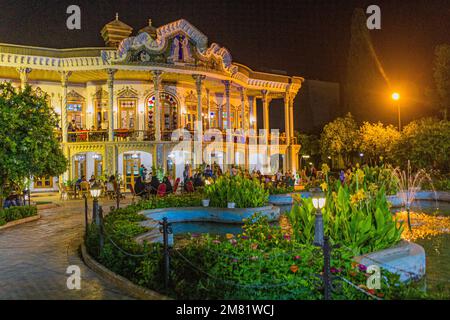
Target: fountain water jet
[(409, 184)]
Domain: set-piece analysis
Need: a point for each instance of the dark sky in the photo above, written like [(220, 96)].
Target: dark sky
[(308, 38)]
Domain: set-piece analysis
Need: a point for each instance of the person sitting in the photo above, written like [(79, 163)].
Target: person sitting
[(11, 201), (161, 190), (189, 186), (140, 188), (79, 181), (169, 188), (110, 189), (154, 184), (208, 172), (92, 180), (198, 181)]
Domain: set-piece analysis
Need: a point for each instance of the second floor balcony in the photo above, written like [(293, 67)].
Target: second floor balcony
[(124, 135)]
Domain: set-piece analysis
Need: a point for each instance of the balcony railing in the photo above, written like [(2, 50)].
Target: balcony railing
[(87, 136), (121, 135)]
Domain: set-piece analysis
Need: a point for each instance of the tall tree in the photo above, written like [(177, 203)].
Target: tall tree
[(378, 141), (442, 78), (28, 145), (365, 78), (340, 139)]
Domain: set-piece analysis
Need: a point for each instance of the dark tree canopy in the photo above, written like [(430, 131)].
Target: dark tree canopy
[(28, 145)]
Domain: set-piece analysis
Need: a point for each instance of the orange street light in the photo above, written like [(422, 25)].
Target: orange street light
[(396, 97)]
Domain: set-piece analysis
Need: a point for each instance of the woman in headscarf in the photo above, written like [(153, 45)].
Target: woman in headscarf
[(154, 184), (169, 188)]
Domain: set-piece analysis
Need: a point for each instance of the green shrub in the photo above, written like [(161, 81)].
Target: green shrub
[(361, 221), (244, 192), (279, 189), (16, 213)]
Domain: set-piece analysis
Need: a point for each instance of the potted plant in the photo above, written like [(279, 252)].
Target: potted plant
[(231, 195), (205, 202)]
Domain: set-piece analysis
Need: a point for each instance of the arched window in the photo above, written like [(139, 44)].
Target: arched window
[(214, 115), (75, 109), (101, 120), (190, 112), (169, 114), (127, 104)]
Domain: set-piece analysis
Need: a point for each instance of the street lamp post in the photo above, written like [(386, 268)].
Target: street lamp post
[(396, 97), (95, 193), (318, 199)]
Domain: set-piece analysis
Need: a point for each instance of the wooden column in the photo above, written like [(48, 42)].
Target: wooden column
[(23, 74), (111, 73), (198, 145), (157, 111), (227, 85), (64, 83), (243, 92)]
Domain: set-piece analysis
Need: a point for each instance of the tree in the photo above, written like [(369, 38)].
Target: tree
[(442, 78), (378, 141), (28, 145), (310, 144), (426, 143), (340, 139)]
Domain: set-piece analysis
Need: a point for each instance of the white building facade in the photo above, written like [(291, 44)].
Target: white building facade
[(162, 98)]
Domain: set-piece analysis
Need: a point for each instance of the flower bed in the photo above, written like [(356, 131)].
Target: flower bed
[(16, 213), (264, 262)]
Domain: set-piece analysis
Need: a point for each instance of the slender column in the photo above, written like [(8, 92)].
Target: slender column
[(23, 73), (111, 73), (157, 112), (266, 101), (64, 83), (291, 117), (292, 157), (208, 104), (198, 148), (252, 113), (243, 92), (287, 116), (227, 103)]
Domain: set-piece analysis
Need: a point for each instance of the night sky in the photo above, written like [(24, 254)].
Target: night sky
[(308, 38)]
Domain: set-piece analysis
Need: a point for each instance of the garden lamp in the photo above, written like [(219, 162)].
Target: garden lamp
[(318, 199), (96, 191)]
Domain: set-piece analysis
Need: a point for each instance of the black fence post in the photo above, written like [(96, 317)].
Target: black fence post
[(86, 218), (326, 269), (166, 229), (118, 197), (101, 237)]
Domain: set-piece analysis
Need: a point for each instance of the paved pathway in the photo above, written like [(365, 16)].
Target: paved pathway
[(34, 258)]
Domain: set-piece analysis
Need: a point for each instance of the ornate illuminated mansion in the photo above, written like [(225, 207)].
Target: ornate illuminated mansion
[(133, 101)]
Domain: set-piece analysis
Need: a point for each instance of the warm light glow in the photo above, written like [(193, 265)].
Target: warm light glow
[(319, 203), (96, 190), (396, 96)]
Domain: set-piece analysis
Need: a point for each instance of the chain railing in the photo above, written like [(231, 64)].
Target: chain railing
[(327, 283)]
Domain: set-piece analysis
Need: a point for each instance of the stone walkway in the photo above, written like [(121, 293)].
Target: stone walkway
[(34, 257)]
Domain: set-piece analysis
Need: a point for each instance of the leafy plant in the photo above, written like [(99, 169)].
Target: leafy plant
[(244, 192), (16, 213), (361, 221)]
